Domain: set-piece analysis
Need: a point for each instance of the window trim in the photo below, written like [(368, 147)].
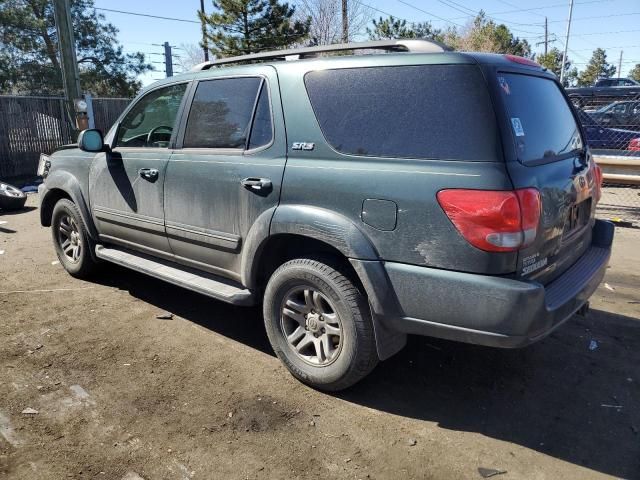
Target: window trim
[(179, 145), (114, 136)]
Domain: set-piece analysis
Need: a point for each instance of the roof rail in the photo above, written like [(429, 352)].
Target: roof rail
[(412, 46)]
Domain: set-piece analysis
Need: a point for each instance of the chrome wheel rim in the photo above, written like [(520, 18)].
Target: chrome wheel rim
[(69, 238), (10, 191), (311, 326)]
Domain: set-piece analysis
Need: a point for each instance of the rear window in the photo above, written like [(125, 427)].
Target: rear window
[(541, 120), (427, 111)]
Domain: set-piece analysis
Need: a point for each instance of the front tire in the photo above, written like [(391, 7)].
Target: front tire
[(72, 244), (319, 324)]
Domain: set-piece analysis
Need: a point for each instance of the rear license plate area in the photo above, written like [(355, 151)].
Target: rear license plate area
[(577, 217)]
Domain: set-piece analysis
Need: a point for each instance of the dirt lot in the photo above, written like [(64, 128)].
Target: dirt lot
[(121, 394)]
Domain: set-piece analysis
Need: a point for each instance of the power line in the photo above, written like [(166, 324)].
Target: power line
[(599, 16), (531, 9), (147, 15), (473, 13), (430, 14)]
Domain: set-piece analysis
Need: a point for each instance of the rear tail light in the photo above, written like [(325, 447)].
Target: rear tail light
[(494, 221), (597, 171)]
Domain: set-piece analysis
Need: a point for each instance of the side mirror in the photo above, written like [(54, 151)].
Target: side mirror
[(91, 141)]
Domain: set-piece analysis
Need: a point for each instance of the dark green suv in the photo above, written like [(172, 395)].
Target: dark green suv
[(359, 197)]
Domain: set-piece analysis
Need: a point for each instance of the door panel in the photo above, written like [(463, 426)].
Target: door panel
[(126, 185), (126, 206), (208, 210)]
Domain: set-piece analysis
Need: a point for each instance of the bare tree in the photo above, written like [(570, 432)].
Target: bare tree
[(189, 55), (326, 19)]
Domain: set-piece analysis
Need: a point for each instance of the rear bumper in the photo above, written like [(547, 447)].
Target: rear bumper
[(494, 311)]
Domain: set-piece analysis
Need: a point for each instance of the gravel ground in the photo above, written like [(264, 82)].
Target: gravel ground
[(120, 394)]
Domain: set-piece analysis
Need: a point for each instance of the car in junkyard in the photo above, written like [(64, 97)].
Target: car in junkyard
[(358, 198), (625, 115), (604, 137)]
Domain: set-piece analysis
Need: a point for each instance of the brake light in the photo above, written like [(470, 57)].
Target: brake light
[(522, 60), (597, 173), (494, 221)]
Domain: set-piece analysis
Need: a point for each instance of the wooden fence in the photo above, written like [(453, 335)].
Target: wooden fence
[(33, 125)]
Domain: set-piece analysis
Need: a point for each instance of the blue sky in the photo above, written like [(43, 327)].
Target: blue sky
[(610, 24)]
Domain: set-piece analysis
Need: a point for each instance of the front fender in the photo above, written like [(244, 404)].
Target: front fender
[(62, 181)]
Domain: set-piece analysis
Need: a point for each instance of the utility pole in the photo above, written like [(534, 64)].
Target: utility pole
[(168, 60), (68, 61), (566, 43), (546, 36), (205, 45), (620, 64), (345, 22)]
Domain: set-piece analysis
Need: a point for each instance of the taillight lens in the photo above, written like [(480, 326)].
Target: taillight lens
[(597, 171), (494, 221)]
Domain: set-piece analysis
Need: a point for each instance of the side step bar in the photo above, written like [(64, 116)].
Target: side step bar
[(202, 282)]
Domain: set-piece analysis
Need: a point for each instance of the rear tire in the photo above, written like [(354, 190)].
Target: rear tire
[(319, 324), (72, 244)]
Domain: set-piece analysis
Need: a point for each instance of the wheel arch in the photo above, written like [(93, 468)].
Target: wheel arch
[(64, 185), (288, 232)]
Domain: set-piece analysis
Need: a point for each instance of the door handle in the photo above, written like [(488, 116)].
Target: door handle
[(256, 184), (150, 174)]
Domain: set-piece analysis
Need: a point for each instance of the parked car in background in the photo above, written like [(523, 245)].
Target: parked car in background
[(616, 82), (624, 114), (599, 136), (348, 197), (603, 93)]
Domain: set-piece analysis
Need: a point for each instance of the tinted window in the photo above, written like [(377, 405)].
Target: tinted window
[(220, 114), (431, 111), (262, 130), (541, 120), (151, 120)]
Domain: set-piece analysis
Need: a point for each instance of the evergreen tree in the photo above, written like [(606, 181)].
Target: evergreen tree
[(552, 61), (596, 68), (392, 27), (29, 51), (635, 73), (241, 27)]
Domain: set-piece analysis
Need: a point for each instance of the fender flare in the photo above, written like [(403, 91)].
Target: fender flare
[(70, 185), (339, 232), (305, 221)]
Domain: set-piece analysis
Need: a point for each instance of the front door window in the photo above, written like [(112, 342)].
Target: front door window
[(150, 123)]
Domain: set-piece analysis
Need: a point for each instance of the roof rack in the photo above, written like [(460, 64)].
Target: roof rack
[(412, 46)]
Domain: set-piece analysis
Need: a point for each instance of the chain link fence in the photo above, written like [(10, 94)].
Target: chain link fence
[(612, 128)]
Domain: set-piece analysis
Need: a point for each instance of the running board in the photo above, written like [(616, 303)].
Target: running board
[(205, 283)]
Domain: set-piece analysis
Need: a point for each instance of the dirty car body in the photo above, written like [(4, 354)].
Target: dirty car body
[(471, 220)]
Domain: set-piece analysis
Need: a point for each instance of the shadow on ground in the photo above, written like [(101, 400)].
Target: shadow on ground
[(557, 397)]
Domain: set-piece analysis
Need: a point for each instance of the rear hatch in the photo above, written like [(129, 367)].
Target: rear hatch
[(545, 150)]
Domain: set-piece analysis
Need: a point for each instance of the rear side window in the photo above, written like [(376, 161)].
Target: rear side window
[(427, 111), (262, 129), (543, 126), (220, 115)]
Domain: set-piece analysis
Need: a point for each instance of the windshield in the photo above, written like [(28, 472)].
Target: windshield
[(542, 123)]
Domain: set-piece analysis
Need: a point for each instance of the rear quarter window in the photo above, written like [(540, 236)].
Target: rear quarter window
[(427, 111)]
